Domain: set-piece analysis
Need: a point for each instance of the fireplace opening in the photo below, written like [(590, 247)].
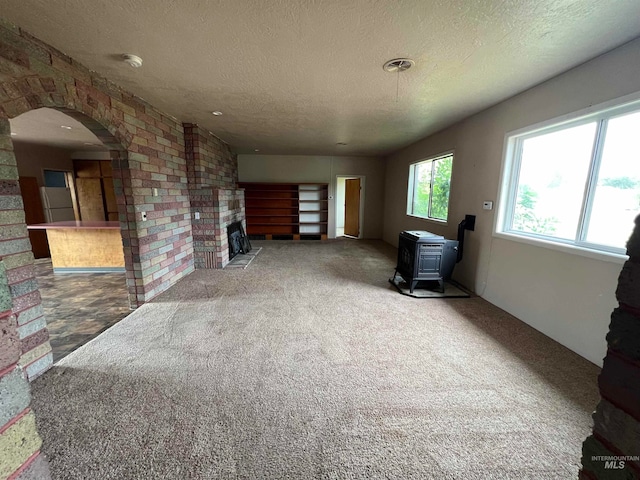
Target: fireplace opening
[(238, 240)]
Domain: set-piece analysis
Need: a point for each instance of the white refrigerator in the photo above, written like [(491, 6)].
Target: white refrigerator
[(57, 204)]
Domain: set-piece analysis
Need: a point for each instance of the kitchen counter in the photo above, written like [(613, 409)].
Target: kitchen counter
[(84, 247), (75, 224)]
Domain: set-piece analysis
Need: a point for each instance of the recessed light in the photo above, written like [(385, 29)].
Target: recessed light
[(66, 127), (217, 113), (13, 134), (132, 60), (257, 150), (341, 144)]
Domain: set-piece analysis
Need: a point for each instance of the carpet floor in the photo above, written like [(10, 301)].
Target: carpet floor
[(309, 364)]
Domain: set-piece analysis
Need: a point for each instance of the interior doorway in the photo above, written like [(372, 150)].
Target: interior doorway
[(53, 153), (350, 205)]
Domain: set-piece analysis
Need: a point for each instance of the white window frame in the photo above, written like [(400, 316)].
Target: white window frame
[(600, 113), (411, 186)]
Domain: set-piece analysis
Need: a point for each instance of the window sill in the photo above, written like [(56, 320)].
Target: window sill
[(571, 249), (432, 220)]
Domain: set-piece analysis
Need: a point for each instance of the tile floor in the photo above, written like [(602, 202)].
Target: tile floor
[(79, 306)]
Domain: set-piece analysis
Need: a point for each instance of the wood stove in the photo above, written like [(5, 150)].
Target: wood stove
[(425, 256)]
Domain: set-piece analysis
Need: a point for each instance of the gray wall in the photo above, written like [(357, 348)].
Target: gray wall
[(322, 169), (33, 158), (566, 296)]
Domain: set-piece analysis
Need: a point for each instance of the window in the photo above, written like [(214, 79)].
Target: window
[(429, 185), (577, 182), (55, 178)]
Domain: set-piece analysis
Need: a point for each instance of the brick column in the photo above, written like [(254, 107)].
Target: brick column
[(613, 450), (212, 173), (19, 441), (15, 252)]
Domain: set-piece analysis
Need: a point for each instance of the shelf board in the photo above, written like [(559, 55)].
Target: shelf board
[(270, 215), (274, 190), (279, 199), (313, 211), (313, 201), (313, 223), (273, 208), (273, 223)]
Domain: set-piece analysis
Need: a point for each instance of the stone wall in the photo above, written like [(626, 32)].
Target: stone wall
[(17, 259), (228, 208), (150, 175), (218, 207), (210, 161), (19, 441), (616, 430), (213, 175)]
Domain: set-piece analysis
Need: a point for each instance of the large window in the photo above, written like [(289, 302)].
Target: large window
[(429, 185), (576, 183)]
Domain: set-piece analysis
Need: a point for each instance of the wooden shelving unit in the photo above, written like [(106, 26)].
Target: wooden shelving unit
[(292, 210)]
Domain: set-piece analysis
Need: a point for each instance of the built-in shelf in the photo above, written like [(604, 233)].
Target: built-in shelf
[(270, 206)]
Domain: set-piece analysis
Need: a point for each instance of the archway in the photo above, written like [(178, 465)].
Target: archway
[(96, 115), (65, 176)]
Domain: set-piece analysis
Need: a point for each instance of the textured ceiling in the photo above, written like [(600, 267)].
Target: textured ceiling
[(297, 77)]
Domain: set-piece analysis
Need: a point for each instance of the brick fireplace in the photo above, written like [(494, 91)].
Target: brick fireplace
[(212, 175), (218, 208)]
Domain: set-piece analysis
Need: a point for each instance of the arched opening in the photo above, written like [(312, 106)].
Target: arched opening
[(66, 175), (75, 305)]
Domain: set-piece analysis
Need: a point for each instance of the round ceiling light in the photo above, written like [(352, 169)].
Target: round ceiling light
[(217, 113), (341, 144), (398, 65), (132, 60)]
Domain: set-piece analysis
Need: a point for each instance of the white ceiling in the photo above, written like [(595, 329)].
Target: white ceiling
[(299, 76), (51, 127)]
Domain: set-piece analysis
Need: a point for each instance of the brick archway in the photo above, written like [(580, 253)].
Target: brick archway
[(93, 109), (95, 113)]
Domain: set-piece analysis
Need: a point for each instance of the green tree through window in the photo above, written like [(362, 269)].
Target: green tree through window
[(430, 184)]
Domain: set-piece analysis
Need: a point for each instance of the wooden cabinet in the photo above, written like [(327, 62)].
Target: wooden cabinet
[(286, 210), (94, 187), (90, 199)]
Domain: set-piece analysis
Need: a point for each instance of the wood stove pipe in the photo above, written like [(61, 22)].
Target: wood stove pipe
[(469, 223)]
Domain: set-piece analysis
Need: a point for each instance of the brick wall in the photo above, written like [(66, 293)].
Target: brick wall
[(147, 148), (210, 162), (616, 430), (218, 208), (19, 441), (17, 260), (152, 173), (213, 176)]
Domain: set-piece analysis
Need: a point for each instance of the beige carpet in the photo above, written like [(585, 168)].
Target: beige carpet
[(309, 364)]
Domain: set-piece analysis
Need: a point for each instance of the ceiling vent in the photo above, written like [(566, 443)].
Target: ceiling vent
[(398, 65)]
